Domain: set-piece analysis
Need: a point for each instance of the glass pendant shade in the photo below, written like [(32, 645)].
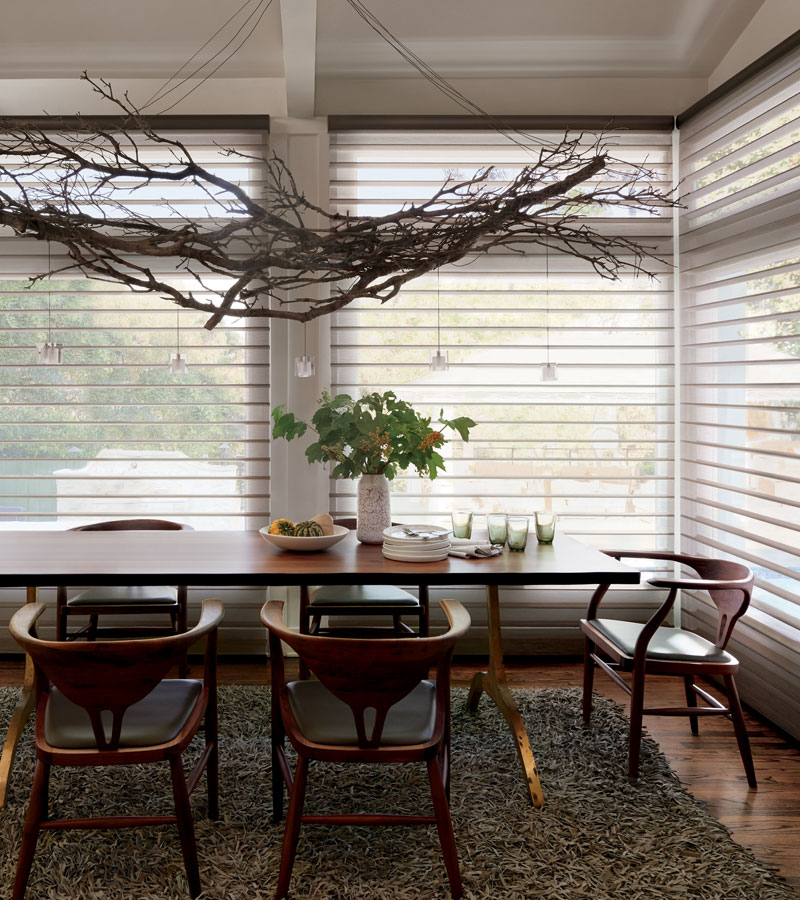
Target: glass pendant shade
[(549, 372), (305, 366), (178, 364), (49, 353), (439, 361)]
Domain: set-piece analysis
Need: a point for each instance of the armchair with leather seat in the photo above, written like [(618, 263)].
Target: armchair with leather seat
[(373, 702), (654, 649), (125, 600), (108, 703)]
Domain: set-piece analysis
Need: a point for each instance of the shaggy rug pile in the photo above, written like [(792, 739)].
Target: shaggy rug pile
[(596, 837)]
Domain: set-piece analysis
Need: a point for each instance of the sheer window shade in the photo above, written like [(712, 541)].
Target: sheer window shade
[(740, 255), (111, 433), (595, 446)]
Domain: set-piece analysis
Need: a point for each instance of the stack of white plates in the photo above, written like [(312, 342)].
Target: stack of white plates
[(416, 543)]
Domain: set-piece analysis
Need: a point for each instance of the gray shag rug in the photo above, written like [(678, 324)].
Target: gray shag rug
[(596, 837)]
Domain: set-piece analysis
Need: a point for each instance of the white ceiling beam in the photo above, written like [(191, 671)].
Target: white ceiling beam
[(299, 26)]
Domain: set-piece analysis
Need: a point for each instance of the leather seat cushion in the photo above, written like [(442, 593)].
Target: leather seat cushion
[(156, 719), (362, 595), (145, 594), (324, 719), (666, 643)]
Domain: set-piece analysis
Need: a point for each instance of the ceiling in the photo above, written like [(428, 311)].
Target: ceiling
[(317, 47)]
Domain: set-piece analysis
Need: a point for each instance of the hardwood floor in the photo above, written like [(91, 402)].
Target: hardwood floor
[(767, 820)]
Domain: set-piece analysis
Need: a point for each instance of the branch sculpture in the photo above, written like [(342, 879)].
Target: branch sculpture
[(73, 184)]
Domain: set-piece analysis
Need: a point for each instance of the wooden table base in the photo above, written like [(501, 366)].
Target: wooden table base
[(495, 685), (18, 718)]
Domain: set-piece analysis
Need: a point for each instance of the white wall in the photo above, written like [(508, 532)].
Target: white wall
[(773, 23)]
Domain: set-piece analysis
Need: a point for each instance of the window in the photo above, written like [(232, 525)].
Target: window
[(741, 259), (111, 433), (595, 446)]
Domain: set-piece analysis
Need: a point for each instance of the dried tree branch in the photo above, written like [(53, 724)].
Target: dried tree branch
[(76, 185)]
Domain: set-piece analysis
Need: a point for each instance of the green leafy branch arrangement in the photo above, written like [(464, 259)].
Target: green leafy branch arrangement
[(379, 434)]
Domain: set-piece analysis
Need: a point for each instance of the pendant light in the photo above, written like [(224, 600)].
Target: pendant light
[(305, 366), (177, 361), (439, 361), (549, 370), (49, 353)]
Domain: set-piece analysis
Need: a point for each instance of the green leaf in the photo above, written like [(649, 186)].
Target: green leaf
[(286, 426), (462, 425)]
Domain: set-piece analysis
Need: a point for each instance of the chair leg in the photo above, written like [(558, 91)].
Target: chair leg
[(183, 812), (425, 610), (37, 813), (212, 767), (636, 715), (691, 700), (61, 613), (291, 832), (278, 739), (181, 626), (588, 680), (91, 634), (444, 826), (740, 728)]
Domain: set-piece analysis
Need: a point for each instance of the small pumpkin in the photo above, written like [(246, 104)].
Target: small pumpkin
[(325, 522), (282, 526), (308, 529)]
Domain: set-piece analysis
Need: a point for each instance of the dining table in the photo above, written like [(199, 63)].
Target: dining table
[(36, 559)]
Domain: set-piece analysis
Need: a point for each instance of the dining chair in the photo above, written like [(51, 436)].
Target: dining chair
[(654, 649), (108, 703), (360, 602), (372, 703), (126, 600)]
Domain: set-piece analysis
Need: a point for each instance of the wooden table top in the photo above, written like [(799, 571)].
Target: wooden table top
[(47, 558)]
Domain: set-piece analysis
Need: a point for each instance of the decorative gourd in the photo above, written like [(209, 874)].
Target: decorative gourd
[(282, 526), (307, 529), (325, 522)]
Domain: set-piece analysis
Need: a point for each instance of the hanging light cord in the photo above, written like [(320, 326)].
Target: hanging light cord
[(547, 297), (438, 315), (178, 329), (305, 339), (49, 290)]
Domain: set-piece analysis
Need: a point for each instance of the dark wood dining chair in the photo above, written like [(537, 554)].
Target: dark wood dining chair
[(373, 703), (108, 703), (359, 602), (654, 649), (125, 600)]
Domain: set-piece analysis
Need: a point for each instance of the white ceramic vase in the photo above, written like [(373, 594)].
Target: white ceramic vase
[(373, 508)]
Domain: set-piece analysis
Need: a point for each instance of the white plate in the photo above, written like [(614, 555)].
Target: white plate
[(401, 533), (421, 551), (411, 556), (416, 545), (304, 544)]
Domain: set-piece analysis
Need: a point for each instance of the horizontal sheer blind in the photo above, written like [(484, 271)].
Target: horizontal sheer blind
[(111, 433), (740, 243), (595, 446)]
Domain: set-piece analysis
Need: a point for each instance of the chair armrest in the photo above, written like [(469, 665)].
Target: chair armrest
[(706, 584), (23, 621)]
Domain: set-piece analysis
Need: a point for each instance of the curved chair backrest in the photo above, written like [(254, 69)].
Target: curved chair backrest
[(107, 675), (728, 583), (134, 525), (370, 673)]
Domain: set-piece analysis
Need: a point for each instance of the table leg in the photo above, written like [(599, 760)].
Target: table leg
[(493, 682), (19, 717)]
